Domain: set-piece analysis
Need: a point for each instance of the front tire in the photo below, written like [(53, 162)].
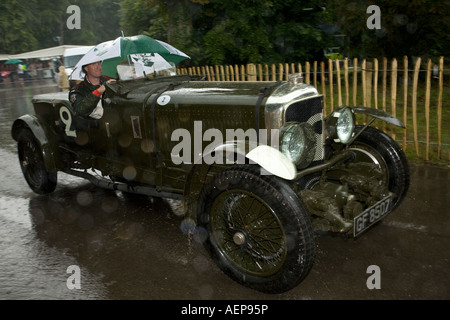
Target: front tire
[(32, 164), (260, 232), (374, 146)]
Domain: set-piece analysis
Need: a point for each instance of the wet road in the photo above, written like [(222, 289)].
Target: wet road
[(133, 247)]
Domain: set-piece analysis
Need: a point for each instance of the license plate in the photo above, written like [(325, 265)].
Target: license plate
[(371, 215)]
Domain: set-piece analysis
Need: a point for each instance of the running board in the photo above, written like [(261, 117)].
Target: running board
[(111, 185)]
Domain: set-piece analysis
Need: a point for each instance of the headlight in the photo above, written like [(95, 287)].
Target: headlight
[(342, 125), (297, 142)]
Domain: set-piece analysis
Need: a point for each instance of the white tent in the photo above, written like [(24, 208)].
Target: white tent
[(43, 53)]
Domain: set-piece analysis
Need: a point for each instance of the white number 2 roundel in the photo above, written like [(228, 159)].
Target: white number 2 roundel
[(163, 100)]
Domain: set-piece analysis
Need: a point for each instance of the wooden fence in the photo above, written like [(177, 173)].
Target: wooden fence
[(416, 95)]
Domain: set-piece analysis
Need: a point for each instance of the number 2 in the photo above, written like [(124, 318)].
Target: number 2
[(66, 118)]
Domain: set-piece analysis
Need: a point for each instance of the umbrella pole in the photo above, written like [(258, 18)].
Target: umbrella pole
[(128, 56)]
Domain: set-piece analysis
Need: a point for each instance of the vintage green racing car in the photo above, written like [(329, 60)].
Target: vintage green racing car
[(256, 164)]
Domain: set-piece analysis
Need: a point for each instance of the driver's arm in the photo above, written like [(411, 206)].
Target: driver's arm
[(84, 101)]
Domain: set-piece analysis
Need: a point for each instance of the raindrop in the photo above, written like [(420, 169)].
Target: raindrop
[(68, 216), (110, 205), (147, 146), (129, 172), (94, 241), (411, 27), (130, 231), (401, 19), (200, 235), (54, 207), (84, 198), (200, 264), (205, 291), (82, 138), (125, 140), (187, 226)]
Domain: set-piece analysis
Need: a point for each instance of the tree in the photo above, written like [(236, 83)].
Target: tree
[(15, 19), (143, 17), (37, 24), (167, 20), (263, 31), (407, 28)]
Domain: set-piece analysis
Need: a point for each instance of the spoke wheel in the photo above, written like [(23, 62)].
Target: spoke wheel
[(32, 164), (259, 231), (248, 233)]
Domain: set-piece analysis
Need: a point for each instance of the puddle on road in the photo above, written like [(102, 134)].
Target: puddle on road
[(30, 268)]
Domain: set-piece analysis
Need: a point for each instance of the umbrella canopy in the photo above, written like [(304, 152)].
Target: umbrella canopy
[(139, 65), (113, 52), (11, 61)]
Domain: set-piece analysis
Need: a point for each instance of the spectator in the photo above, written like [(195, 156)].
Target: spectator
[(63, 79)]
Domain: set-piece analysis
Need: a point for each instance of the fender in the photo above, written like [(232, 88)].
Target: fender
[(45, 139), (379, 114), (273, 161), (269, 158)]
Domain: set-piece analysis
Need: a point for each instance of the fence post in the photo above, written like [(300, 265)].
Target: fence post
[(355, 79), (208, 75), (281, 71), (427, 108), (213, 75), (405, 97), (439, 107), (346, 81), (243, 78), (324, 91), (394, 93), (369, 76), (385, 63), (307, 71), (414, 103), (338, 79), (330, 70), (251, 72), (315, 74), (375, 84), (232, 73)]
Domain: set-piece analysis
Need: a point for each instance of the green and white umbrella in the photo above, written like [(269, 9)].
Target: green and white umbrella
[(113, 52)]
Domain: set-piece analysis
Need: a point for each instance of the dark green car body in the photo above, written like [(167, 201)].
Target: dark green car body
[(173, 137)]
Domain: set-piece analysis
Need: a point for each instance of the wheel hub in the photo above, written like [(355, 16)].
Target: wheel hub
[(239, 238)]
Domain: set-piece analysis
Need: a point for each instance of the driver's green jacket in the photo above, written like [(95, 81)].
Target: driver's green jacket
[(85, 96)]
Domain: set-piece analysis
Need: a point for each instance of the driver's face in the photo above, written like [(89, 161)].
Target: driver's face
[(94, 69)]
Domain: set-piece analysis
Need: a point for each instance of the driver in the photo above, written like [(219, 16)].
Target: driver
[(85, 97)]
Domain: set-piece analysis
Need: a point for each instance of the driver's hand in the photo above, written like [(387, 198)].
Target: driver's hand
[(102, 88)]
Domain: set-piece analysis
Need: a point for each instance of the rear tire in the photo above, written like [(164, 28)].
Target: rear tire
[(260, 232), (32, 164)]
